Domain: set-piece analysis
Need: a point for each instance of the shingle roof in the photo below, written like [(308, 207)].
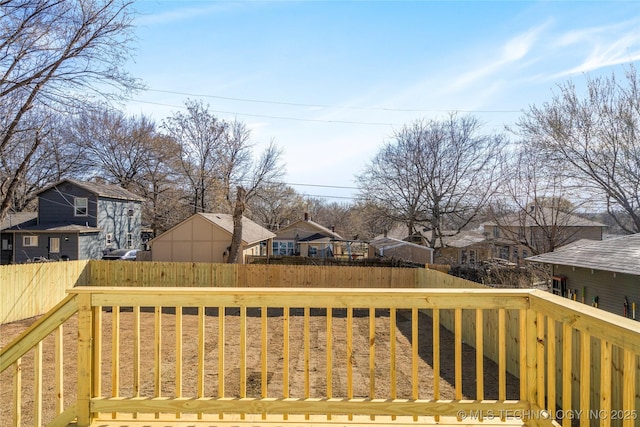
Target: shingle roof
[(58, 228), (618, 254), (390, 242), (251, 232), (19, 219), (546, 216), (102, 190)]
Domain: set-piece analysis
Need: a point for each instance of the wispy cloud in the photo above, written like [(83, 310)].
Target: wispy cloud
[(176, 15), (514, 50), (603, 46)]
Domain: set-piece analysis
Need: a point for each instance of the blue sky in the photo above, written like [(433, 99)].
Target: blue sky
[(330, 81)]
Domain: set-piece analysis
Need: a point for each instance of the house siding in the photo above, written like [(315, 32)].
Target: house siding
[(113, 217), (56, 206), (89, 246), (611, 290)]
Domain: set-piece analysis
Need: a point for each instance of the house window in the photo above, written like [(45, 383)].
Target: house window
[(130, 209), (129, 240), (472, 257), (54, 245), (109, 239), (313, 251), (496, 231), (463, 256), (283, 248), (29, 240), (81, 206), (504, 252)]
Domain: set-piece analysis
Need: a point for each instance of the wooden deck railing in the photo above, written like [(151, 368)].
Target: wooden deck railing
[(171, 354)]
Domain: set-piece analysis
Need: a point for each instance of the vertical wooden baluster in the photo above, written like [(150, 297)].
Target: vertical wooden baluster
[(97, 352), (329, 367), (200, 379), (243, 355), (436, 356), (157, 354), (115, 354), (567, 351), (522, 333), (414, 356), (479, 355), (85, 360), (221, 348), (458, 353), (17, 393), (585, 377), (605, 381), (540, 323), (551, 366), (37, 384), (178, 355), (392, 358), (372, 355), (263, 356), (59, 369), (502, 355), (285, 356), (629, 412), (350, 356), (307, 355)]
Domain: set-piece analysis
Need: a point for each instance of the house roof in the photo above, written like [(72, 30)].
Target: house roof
[(545, 216), (619, 255), (18, 220), (321, 229), (102, 190), (56, 228), (390, 243)]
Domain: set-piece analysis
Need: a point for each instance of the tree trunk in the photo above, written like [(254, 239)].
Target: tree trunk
[(236, 239)]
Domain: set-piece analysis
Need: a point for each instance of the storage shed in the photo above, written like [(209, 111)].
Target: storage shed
[(206, 237)]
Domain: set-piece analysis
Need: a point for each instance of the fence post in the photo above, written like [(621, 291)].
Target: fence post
[(85, 359), (532, 363)]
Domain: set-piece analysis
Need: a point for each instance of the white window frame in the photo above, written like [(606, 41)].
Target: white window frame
[(54, 245), (30, 241), (77, 206), (108, 239)]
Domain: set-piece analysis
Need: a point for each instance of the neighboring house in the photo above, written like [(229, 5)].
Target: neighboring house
[(606, 273), (515, 237), (18, 221), (308, 239), (392, 248), (206, 237), (78, 220)]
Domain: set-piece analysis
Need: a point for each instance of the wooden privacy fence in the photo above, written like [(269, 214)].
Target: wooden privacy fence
[(333, 356), (29, 290)]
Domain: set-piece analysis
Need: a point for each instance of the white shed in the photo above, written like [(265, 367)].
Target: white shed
[(206, 237)]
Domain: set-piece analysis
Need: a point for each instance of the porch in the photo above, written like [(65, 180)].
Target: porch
[(573, 364)]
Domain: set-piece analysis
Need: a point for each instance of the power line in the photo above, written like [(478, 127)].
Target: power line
[(264, 116), (296, 104)]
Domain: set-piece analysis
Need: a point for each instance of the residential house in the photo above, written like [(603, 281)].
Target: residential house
[(18, 221), (603, 273), (308, 239), (392, 248), (515, 237), (78, 220), (206, 237)]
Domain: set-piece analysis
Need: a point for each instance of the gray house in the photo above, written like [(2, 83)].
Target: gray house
[(602, 273), (78, 220)]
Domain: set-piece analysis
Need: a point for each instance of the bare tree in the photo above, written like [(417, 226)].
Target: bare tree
[(535, 209), (592, 139), (54, 54), (276, 205), (201, 137), (434, 175)]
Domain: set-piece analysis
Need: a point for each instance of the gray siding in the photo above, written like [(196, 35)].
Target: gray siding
[(611, 291), (89, 246), (113, 217), (56, 206), (68, 247)]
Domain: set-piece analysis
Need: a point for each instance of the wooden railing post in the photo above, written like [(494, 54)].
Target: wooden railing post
[(85, 359), (532, 361)]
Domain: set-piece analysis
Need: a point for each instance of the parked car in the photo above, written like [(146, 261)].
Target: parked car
[(122, 254)]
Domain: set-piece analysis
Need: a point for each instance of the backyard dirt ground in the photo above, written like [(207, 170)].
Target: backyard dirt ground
[(317, 344)]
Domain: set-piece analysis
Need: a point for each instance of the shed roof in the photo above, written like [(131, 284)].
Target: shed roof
[(618, 254), (102, 190), (390, 242), (321, 229)]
